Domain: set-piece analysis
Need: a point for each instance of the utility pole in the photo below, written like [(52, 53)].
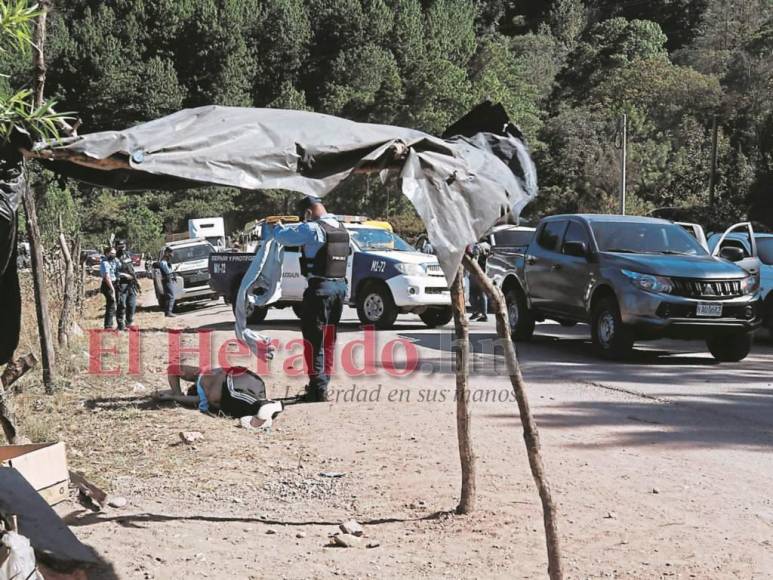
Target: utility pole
[(713, 175), (623, 156)]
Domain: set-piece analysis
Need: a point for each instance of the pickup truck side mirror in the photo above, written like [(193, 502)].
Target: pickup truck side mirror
[(732, 253), (577, 249)]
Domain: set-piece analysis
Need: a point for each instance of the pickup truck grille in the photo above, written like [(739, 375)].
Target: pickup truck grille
[(709, 289), (195, 277), (434, 270)]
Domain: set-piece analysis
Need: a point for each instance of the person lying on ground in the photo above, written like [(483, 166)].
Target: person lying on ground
[(234, 392)]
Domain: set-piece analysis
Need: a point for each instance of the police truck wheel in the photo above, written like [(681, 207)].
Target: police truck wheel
[(521, 320), (375, 306), (433, 317), (730, 348), (611, 339), (298, 309)]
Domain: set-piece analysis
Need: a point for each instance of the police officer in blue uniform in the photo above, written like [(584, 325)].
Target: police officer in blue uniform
[(127, 287), (168, 278), (108, 271), (325, 251)]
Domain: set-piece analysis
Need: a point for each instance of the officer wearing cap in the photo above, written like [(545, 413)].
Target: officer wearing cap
[(325, 250), (126, 296), (168, 278)]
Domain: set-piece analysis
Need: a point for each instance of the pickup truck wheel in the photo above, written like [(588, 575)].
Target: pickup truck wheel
[(521, 320), (730, 348), (433, 317), (298, 309), (611, 338), (375, 306), (255, 315)]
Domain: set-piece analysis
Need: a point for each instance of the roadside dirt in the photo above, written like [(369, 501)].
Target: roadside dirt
[(638, 497)]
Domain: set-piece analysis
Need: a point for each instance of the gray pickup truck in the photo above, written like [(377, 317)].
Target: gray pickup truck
[(630, 278)]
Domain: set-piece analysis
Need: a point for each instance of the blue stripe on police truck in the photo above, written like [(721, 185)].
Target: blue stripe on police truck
[(365, 265)]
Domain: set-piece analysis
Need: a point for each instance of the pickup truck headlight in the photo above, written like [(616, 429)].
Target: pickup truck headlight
[(750, 284), (410, 269), (649, 282)]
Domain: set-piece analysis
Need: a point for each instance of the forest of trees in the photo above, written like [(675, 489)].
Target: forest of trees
[(565, 70)]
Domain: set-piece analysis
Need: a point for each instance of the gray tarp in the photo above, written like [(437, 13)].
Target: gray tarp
[(460, 187)]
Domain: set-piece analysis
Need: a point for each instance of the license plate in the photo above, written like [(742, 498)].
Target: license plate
[(708, 309)]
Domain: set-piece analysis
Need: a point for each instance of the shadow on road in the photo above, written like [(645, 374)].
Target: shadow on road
[(742, 418), (569, 356)]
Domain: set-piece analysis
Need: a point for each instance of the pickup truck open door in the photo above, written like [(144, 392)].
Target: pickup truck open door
[(749, 263), (697, 232)]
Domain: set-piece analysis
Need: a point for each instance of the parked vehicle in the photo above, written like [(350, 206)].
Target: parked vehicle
[(764, 251), (386, 277), (190, 260), (630, 278), (90, 257), (210, 229)]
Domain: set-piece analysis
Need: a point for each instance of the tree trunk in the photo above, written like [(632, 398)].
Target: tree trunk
[(12, 373), (68, 294), (39, 285), (530, 432), (464, 436)]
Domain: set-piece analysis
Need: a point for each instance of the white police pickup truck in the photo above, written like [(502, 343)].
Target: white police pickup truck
[(189, 262), (386, 276)]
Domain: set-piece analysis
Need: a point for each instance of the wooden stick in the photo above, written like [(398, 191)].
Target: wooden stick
[(65, 317), (12, 373), (530, 432), (463, 434), (108, 164)]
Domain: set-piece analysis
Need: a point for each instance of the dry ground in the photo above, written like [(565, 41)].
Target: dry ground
[(662, 467)]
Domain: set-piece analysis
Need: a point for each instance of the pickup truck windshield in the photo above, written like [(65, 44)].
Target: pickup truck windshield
[(645, 238), (191, 253), (378, 239), (765, 250)]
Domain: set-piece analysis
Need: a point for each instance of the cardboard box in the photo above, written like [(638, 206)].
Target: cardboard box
[(43, 465)]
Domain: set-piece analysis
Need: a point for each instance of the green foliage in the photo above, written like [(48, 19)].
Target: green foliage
[(15, 16), (564, 69)]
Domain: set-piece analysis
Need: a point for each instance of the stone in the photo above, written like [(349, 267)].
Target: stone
[(655, 490), (347, 541), (373, 544), (352, 527), (611, 516), (190, 437), (300, 535), (117, 502), (139, 388), (270, 532)]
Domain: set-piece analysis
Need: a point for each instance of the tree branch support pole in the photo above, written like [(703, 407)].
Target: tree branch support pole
[(39, 285), (463, 432), (66, 316), (530, 432), (30, 209)]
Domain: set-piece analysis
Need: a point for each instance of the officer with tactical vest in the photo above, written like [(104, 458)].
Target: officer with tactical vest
[(128, 287), (325, 251)]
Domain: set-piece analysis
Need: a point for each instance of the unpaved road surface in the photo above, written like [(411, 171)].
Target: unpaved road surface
[(661, 467)]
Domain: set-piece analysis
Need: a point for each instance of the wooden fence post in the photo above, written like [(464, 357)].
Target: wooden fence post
[(530, 432), (463, 434)]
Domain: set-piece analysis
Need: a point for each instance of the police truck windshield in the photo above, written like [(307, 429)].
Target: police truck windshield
[(191, 253), (378, 239), (645, 238)]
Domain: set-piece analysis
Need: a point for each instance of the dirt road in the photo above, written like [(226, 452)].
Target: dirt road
[(662, 467)]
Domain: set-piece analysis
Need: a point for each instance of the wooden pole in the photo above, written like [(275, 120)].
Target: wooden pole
[(68, 293), (530, 432), (38, 59), (30, 209), (39, 286), (463, 434)]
